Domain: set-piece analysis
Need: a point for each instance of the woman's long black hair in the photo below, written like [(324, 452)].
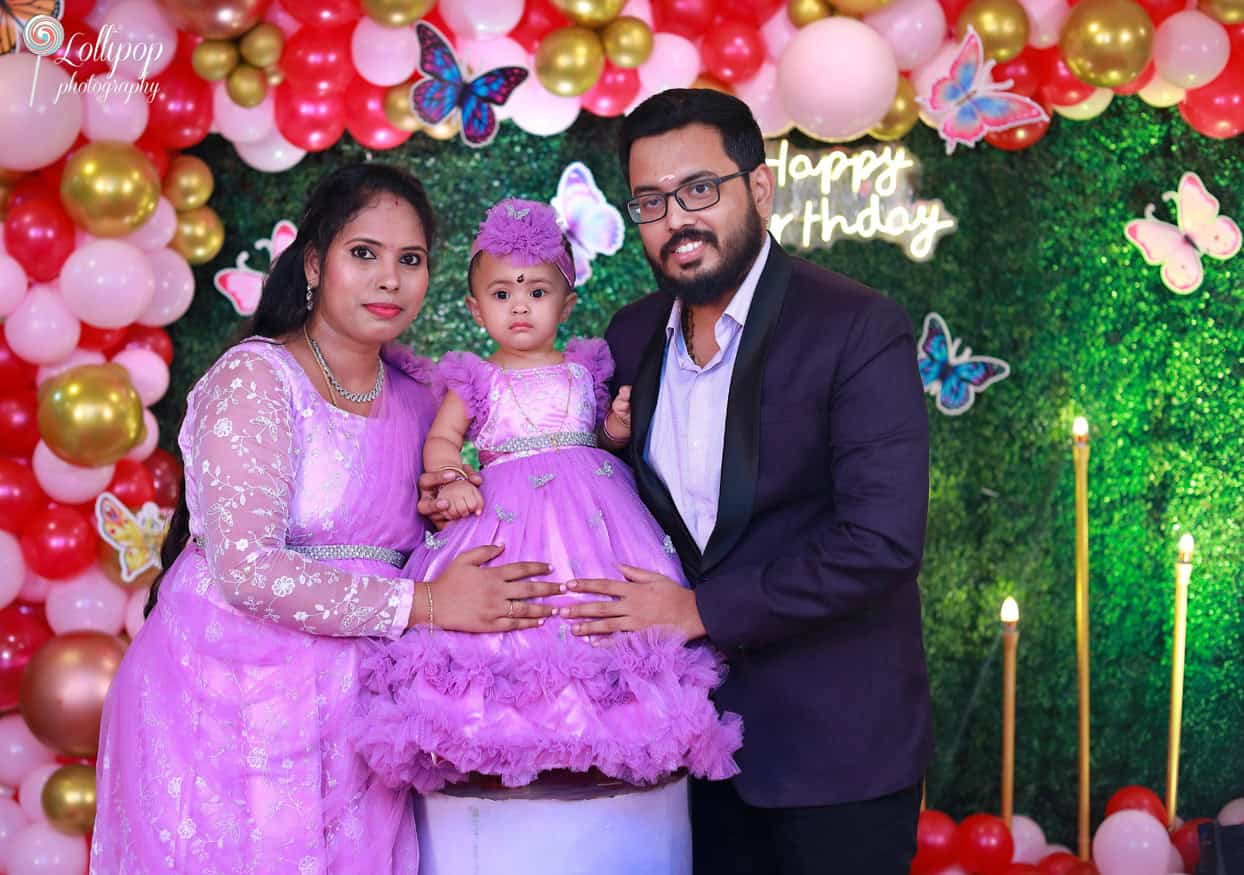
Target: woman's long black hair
[(282, 309)]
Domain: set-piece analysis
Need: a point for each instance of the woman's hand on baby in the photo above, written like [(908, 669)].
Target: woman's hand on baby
[(464, 499), (434, 507), (618, 422), (471, 598)]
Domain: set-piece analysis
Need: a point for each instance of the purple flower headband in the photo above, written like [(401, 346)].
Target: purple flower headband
[(527, 232)]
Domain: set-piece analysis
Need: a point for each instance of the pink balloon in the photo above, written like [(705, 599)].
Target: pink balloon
[(272, 154), (35, 588), (174, 288), (384, 55), (41, 850), (108, 283), (277, 15), (95, 18), (12, 821), (134, 618), (239, 123), (777, 32), (20, 751), (641, 9), (12, 571), (89, 601), (42, 330), (1232, 813), (764, 99), (144, 39), (475, 20), (1131, 843), (538, 111), (79, 356), (1029, 840), (482, 55), (156, 232), (1190, 49), (30, 793), (140, 452), (108, 116), (13, 283), (838, 78), (34, 133), (1174, 862), (148, 373), (915, 30), (674, 63), (68, 484), (1045, 21)]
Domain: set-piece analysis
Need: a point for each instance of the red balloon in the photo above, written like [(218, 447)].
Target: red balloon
[(985, 844), (317, 60), (150, 337), (365, 117), (1217, 108), (1058, 863), (1020, 869), (19, 422), (105, 340), (29, 188), (1017, 139), (156, 154), (540, 18), (40, 235), (937, 843), (687, 18), (180, 115), (166, 476), (1137, 799), (59, 542), (76, 54), (953, 8), (1145, 77), (755, 12), (20, 495), (1188, 842), (23, 630), (15, 371), (1083, 868), (1160, 10), (613, 92), (133, 484), (1025, 71), (1060, 86), (310, 121), (733, 51), (323, 13)]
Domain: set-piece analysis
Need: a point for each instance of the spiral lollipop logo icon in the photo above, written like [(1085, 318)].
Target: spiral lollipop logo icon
[(43, 35)]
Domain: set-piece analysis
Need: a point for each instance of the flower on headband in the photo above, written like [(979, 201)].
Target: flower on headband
[(526, 231)]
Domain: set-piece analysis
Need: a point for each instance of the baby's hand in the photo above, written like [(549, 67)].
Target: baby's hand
[(618, 422), (464, 499)]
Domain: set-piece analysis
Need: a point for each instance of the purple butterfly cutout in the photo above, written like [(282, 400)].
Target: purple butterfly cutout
[(593, 225)]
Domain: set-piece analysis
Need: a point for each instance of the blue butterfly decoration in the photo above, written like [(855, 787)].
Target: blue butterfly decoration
[(953, 377), (445, 88)]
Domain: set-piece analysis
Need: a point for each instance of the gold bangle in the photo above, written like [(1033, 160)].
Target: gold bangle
[(461, 472), (431, 614), (604, 427)]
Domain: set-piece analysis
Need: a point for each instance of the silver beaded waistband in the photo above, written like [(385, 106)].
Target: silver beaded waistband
[(396, 558), (542, 442)]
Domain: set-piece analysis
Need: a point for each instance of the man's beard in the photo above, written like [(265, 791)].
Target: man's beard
[(737, 256)]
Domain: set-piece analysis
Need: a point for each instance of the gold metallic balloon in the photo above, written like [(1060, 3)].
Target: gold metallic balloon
[(396, 13), (446, 130), (801, 12), (590, 13), (569, 61), (213, 59), (1226, 11), (216, 19), (199, 235), (902, 115), (247, 85), (1001, 24), (1107, 43), (627, 41), (275, 76), (63, 689), (91, 415), (69, 799), (187, 182), (859, 7), (398, 109), (262, 45), (109, 188)]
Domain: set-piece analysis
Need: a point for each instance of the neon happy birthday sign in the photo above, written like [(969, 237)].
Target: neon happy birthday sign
[(861, 194)]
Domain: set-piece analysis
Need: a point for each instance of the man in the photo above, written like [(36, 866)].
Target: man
[(780, 437)]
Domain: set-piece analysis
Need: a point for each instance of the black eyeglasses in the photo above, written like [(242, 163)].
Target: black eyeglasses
[(699, 194)]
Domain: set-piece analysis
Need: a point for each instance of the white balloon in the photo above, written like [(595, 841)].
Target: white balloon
[(272, 154), (470, 18), (1160, 93), (1029, 840), (384, 55), (1091, 107), (538, 111)]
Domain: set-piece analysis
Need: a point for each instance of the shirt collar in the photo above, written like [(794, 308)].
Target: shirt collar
[(739, 305)]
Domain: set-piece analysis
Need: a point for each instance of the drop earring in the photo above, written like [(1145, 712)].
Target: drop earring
[(310, 302)]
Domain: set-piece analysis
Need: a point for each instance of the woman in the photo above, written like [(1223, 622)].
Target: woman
[(221, 746)]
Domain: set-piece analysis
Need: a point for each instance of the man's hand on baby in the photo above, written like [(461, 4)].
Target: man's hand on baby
[(618, 422), (464, 499)]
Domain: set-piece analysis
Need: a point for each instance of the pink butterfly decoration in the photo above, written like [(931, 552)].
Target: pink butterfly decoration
[(593, 225), (968, 104), (1200, 231), (242, 285)]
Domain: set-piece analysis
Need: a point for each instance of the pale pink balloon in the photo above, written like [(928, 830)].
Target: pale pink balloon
[(272, 154), (68, 484), (134, 618), (12, 821), (140, 452), (777, 32), (108, 116), (148, 373), (674, 63), (1029, 840), (641, 9), (41, 850), (42, 329), (174, 288), (241, 124), (482, 55), (157, 231), (20, 751), (12, 568), (1045, 21), (30, 793), (475, 20), (13, 283), (838, 78), (35, 588), (108, 283), (1174, 862), (95, 18), (1232, 814), (1161, 93), (384, 55), (89, 601), (915, 30), (79, 356), (82, 237), (538, 111), (1056, 849), (144, 39), (1131, 843), (764, 99), (277, 15), (34, 133), (1190, 49)]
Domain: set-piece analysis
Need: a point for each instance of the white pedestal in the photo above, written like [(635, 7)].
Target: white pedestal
[(634, 831)]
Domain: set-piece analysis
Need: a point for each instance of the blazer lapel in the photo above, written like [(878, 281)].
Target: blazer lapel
[(740, 458)]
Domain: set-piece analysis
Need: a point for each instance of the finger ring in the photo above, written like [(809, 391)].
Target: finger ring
[(509, 612)]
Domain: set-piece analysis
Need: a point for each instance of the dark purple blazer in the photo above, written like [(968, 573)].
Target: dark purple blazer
[(808, 583)]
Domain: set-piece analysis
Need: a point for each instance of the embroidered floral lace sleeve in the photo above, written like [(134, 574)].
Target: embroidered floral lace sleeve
[(240, 479)]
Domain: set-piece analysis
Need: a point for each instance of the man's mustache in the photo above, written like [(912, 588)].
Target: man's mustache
[(688, 236)]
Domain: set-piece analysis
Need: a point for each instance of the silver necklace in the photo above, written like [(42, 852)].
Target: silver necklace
[(356, 397)]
